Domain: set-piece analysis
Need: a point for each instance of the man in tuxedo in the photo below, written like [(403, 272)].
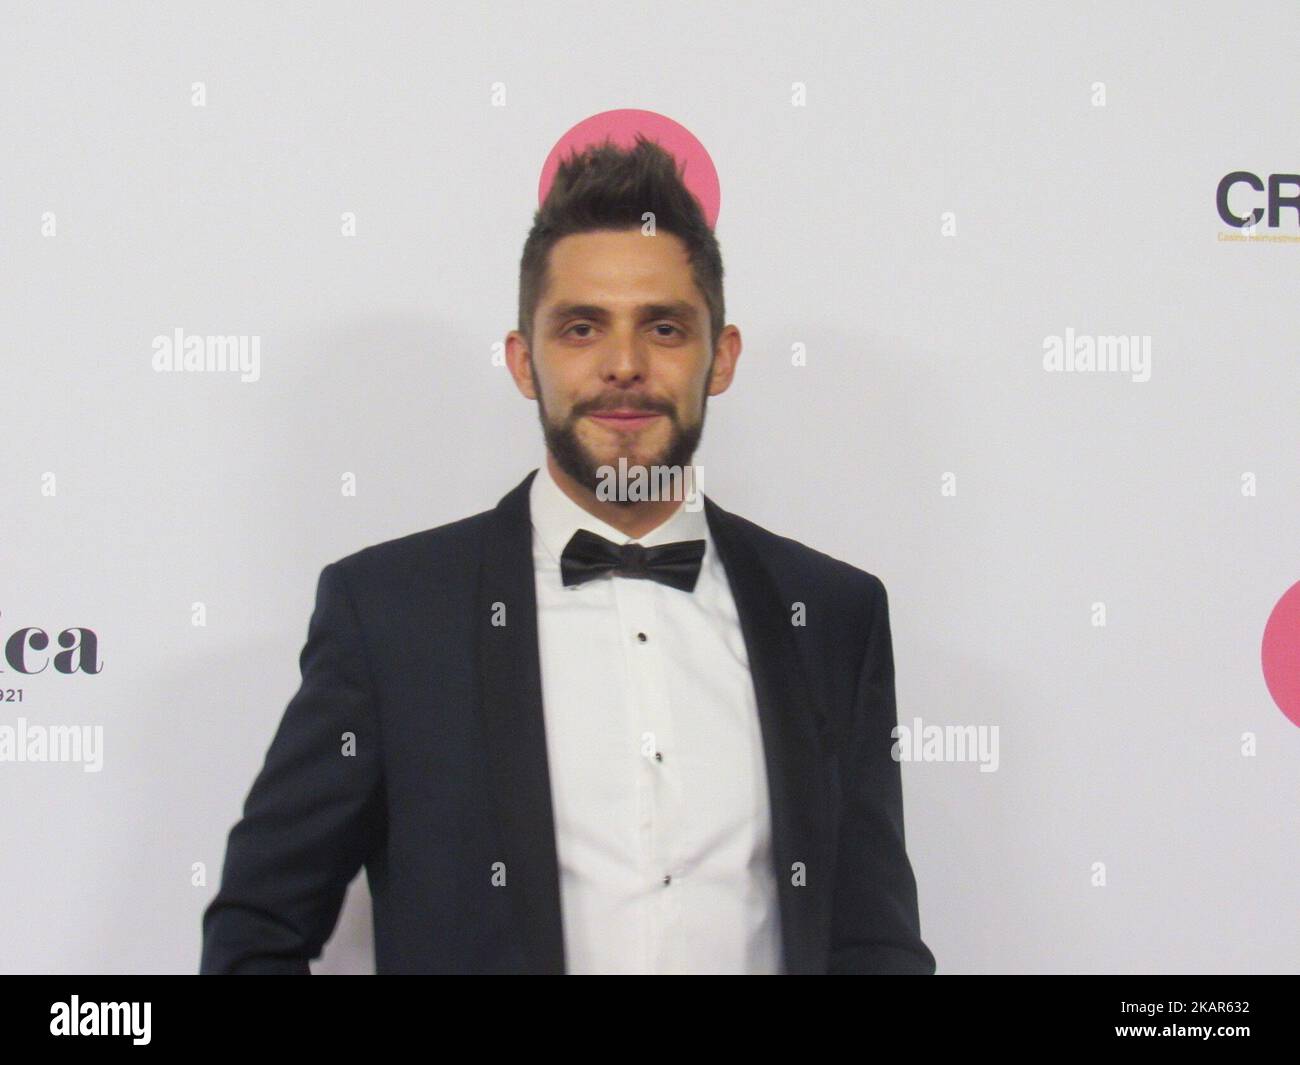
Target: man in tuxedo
[(587, 731)]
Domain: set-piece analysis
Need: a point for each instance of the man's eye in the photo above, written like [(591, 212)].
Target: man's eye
[(667, 325), (579, 325)]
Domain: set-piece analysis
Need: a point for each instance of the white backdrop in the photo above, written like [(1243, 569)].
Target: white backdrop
[(951, 186)]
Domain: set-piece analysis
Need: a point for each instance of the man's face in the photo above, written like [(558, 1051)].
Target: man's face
[(621, 364)]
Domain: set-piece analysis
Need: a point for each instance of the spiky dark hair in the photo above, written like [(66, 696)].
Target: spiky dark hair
[(607, 187)]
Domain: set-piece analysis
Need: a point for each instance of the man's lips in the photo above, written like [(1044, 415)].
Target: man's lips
[(624, 419)]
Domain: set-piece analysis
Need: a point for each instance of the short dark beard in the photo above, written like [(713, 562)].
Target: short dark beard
[(563, 443)]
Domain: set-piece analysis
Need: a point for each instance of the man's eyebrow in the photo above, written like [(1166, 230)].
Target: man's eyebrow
[(672, 309)]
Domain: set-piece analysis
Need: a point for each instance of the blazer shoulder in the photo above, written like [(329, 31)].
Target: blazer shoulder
[(793, 557), (455, 543)]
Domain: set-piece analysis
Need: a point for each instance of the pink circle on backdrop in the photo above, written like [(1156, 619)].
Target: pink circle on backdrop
[(1280, 653), (621, 126)]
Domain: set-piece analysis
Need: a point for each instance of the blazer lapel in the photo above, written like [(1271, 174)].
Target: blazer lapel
[(509, 670), (800, 762), (800, 765)]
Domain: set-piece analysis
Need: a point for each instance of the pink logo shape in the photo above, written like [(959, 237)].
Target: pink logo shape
[(621, 127), (1280, 654)]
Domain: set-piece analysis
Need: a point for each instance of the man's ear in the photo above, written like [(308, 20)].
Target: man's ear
[(725, 355), (519, 361)]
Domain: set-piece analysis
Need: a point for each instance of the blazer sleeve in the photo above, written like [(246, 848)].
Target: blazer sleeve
[(875, 926), (314, 811)]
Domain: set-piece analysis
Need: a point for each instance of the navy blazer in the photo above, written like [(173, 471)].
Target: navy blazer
[(416, 747)]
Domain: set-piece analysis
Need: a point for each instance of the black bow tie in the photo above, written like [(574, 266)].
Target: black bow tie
[(588, 556)]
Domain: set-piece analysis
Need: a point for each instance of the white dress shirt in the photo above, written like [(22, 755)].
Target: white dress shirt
[(658, 781)]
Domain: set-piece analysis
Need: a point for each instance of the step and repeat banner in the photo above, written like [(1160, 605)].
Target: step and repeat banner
[(1017, 288)]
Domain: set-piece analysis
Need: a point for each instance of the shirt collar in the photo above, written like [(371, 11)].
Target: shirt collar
[(556, 518)]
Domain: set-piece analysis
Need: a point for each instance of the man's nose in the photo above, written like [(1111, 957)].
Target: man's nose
[(624, 359)]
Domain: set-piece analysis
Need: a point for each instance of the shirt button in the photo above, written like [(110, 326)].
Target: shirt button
[(659, 756), (668, 879), (642, 637)]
